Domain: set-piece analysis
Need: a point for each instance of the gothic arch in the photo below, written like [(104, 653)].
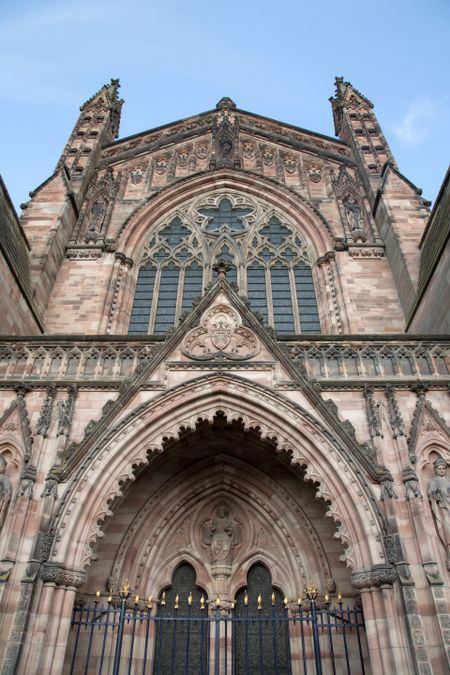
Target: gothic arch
[(112, 462), (168, 529), (317, 229)]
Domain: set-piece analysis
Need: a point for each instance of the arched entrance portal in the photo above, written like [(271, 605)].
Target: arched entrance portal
[(221, 502)]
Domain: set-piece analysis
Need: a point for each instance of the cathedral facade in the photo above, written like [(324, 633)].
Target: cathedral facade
[(225, 369)]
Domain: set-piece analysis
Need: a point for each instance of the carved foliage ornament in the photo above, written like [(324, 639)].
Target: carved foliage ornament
[(220, 335), (62, 576)]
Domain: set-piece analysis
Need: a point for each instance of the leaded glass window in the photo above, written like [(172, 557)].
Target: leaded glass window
[(267, 256), (279, 279), (170, 277), (260, 646)]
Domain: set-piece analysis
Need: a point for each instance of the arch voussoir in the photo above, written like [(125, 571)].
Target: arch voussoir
[(102, 479)]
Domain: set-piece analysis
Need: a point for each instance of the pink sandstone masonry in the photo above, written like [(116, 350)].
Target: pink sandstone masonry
[(224, 443)]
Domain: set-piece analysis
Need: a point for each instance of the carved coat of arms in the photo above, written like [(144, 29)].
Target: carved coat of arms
[(220, 335)]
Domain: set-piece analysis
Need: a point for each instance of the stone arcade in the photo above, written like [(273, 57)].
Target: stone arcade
[(223, 371)]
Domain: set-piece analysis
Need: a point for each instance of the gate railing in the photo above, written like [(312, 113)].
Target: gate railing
[(125, 636)]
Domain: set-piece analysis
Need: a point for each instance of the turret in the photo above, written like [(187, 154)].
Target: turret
[(355, 122), (51, 215), (397, 206)]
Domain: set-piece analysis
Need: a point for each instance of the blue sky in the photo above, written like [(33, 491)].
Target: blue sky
[(177, 58)]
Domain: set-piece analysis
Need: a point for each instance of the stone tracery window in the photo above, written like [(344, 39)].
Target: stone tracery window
[(268, 258)]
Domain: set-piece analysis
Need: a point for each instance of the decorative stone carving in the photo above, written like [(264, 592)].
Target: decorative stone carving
[(314, 174), (65, 410), (202, 150), (51, 483), (439, 496), (183, 156), (27, 482), (387, 490), (31, 571), (290, 164), (404, 573), (220, 335), (267, 156), (248, 149), (225, 131), (62, 576), (354, 217), (136, 175), (96, 220), (411, 483), (432, 573), (5, 490), (6, 567), (222, 534), (45, 416), (45, 543), (378, 575), (395, 416), (161, 163), (373, 415), (366, 251), (390, 546)]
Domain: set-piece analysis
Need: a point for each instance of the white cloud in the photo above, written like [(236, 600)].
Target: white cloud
[(416, 123)]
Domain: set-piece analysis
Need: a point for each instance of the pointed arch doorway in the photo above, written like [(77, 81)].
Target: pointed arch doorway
[(222, 504)]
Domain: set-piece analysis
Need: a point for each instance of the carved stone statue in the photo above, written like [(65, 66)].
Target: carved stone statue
[(439, 496), (353, 213), (222, 534), (5, 490)]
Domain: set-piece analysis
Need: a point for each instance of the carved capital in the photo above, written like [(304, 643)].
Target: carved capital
[(59, 575), (378, 575)]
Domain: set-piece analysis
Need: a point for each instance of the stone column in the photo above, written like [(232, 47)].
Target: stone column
[(48, 635), (386, 634)]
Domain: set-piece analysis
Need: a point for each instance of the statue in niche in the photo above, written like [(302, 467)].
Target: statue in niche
[(439, 496), (5, 490), (353, 213), (96, 218), (226, 147), (222, 534)]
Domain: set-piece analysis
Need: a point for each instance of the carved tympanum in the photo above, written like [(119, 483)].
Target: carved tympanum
[(439, 496), (221, 335)]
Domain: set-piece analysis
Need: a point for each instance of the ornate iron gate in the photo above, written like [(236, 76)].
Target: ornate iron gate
[(125, 637)]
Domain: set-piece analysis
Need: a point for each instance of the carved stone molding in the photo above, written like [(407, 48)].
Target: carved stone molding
[(84, 253), (395, 416), (59, 575), (378, 575), (373, 415), (366, 251), (45, 416)]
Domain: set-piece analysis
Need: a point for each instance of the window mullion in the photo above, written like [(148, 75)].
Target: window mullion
[(270, 315), (295, 311), (151, 323), (179, 295)]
